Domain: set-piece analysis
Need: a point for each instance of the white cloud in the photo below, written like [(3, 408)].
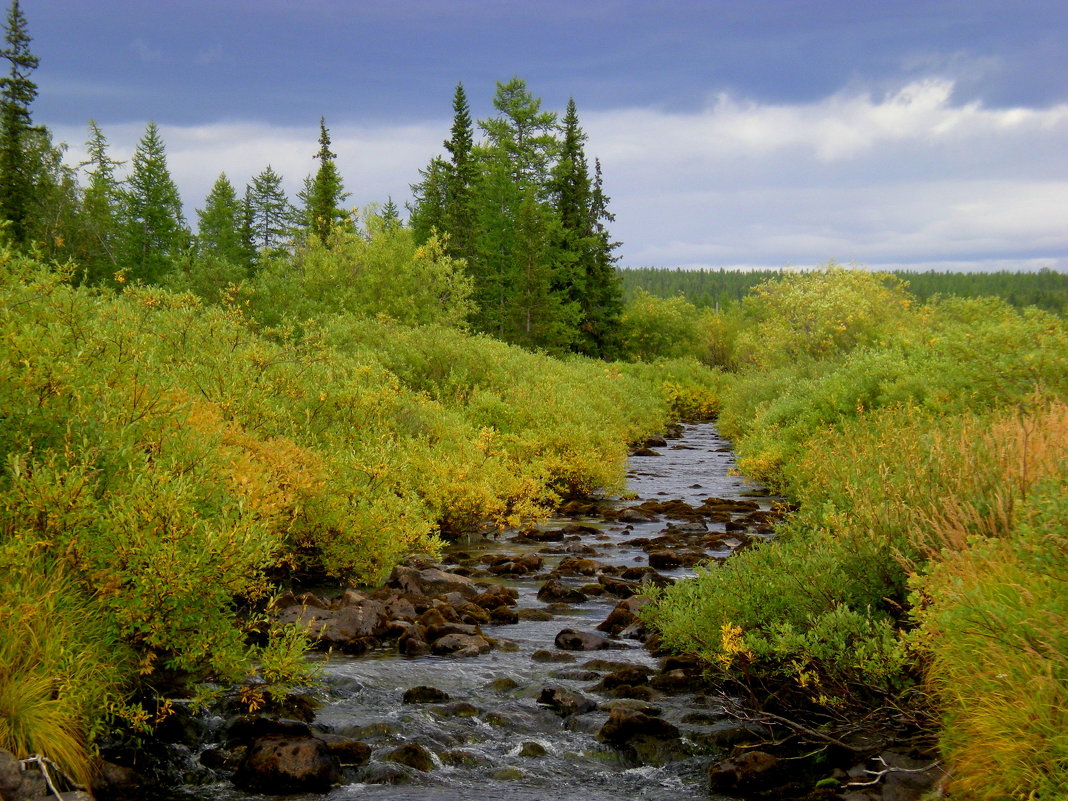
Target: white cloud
[(912, 177)]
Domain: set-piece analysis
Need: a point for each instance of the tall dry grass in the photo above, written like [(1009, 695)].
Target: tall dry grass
[(992, 609)]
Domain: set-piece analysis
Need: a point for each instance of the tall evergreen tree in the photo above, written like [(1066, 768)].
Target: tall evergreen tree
[(602, 302), (270, 215), (570, 187), (154, 226), (19, 153), (586, 274), (325, 193), (540, 316), (98, 252), (523, 211), (459, 218), (220, 223)]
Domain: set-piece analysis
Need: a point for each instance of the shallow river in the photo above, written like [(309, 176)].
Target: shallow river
[(492, 740)]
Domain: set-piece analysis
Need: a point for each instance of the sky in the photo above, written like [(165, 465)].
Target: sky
[(915, 134)]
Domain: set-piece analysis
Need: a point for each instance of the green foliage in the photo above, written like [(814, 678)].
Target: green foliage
[(171, 465), (97, 245), (220, 222), (818, 315), (323, 209), (62, 667), (689, 389), (269, 214), (992, 612), (523, 212), (923, 447), (153, 225), (654, 328), (378, 272)]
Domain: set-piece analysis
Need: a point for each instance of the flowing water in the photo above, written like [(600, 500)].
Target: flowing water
[(492, 740)]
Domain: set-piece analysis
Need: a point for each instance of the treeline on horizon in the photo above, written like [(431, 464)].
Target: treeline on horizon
[(719, 289)]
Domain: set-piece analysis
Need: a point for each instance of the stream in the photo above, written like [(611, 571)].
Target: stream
[(492, 739)]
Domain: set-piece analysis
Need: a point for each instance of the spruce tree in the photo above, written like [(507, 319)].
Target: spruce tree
[(270, 215), (602, 301), (586, 275), (459, 219), (325, 193), (540, 316), (427, 213), (220, 223), (19, 153), (570, 188), (390, 215), (154, 226)]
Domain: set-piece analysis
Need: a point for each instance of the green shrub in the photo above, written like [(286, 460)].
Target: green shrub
[(380, 272)]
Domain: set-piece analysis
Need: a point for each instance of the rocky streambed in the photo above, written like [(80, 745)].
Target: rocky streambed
[(514, 668)]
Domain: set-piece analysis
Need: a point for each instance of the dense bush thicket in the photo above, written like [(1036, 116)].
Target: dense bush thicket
[(925, 448), (168, 463)]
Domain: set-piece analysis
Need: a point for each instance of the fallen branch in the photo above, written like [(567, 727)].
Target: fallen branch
[(887, 769)]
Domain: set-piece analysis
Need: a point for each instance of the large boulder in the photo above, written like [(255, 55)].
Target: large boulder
[(748, 772), (425, 695), (432, 582), (281, 764), (555, 591), (624, 615), (460, 645), (413, 755), (574, 640), (354, 625), (564, 702), (643, 738)]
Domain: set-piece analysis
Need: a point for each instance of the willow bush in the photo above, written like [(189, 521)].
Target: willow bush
[(175, 463)]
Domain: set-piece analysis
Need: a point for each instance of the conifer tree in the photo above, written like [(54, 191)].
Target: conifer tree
[(390, 215), (586, 275), (427, 213), (154, 230), (101, 209), (19, 158), (459, 219), (220, 222), (540, 316), (325, 193), (570, 189), (270, 214), (523, 133), (602, 301)]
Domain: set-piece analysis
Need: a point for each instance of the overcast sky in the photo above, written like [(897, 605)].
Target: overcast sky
[(922, 133)]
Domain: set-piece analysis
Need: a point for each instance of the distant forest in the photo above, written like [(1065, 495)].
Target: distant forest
[(1045, 289)]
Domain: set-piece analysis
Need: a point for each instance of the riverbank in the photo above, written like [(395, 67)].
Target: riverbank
[(558, 695), (169, 467)]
